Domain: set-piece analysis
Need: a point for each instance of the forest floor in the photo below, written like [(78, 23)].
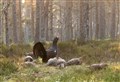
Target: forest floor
[(13, 70)]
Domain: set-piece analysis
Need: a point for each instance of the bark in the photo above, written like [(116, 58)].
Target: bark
[(37, 31), (42, 21), (2, 19), (84, 25), (68, 21), (117, 28), (113, 26), (102, 22), (51, 20), (97, 23), (0, 23), (32, 20), (7, 4), (46, 19), (20, 23), (15, 35)]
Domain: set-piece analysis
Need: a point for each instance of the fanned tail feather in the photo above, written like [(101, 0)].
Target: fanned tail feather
[(39, 50)]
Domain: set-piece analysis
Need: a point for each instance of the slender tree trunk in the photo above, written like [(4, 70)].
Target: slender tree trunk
[(20, 23), (113, 25), (32, 20), (61, 27), (0, 30), (51, 20), (7, 4), (117, 29), (46, 19), (68, 21), (78, 20), (6, 25), (84, 25), (37, 31), (91, 23), (42, 21), (2, 19), (15, 35), (97, 23), (102, 21)]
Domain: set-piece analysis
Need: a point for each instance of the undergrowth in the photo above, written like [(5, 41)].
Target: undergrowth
[(7, 67), (91, 52)]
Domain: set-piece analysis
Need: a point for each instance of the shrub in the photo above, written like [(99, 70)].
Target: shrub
[(7, 67), (15, 49), (68, 50)]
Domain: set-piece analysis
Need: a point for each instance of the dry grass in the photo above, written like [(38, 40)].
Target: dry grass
[(12, 69)]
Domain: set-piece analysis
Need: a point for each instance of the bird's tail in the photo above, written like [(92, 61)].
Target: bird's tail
[(39, 50)]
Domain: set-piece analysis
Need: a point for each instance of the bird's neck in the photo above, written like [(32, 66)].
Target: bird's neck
[(54, 43)]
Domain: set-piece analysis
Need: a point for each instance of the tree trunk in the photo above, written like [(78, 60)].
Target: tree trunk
[(46, 19), (51, 20), (84, 25), (68, 21), (91, 22), (15, 35), (0, 30), (61, 26), (42, 21), (78, 20), (37, 31), (32, 20), (2, 19), (97, 23), (20, 23), (113, 26), (102, 22), (118, 20), (7, 4)]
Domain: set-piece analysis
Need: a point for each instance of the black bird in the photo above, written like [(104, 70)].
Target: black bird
[(40, 51)]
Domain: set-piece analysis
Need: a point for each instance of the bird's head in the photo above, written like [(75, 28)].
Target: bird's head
[(55, 40)]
